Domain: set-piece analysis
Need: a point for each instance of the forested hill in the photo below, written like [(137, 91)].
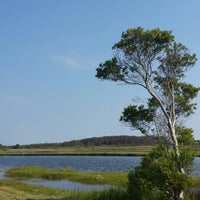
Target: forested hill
[(98, 141), (112, 140)]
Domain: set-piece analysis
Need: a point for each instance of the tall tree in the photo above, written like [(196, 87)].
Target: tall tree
[(153, 60)]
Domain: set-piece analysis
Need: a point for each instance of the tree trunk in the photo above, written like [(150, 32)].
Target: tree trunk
[(179, 195)]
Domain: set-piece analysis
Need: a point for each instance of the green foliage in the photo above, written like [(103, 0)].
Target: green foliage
[(111, 70), (184, 135), (153, 60), (121, 140), (2, 147), (137, 116), (186, 158), (157, 176), (17, 146), (146, 42), (184, 94), (135, 42), (139, 188)]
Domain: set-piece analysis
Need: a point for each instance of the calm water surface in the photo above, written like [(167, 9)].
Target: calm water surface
[(80, 163), (67, 185)]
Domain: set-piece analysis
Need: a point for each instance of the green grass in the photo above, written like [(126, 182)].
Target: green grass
[(16, 190), (115, 179), (81, 150), (87, 150), (11, 189), (111, 194)]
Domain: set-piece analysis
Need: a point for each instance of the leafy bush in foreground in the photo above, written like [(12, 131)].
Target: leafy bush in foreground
[(157, 177)]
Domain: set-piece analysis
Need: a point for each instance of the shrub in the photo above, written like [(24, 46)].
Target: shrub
[(157, 177)]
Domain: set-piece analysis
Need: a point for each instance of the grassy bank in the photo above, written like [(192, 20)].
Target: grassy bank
[(15, 190), (80, 150), (87, 150), (115, 179), (12, 189)]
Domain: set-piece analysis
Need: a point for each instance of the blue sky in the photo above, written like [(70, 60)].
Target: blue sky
[(49, 50)]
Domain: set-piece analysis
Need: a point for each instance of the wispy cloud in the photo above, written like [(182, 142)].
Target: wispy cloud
[(74, 62)]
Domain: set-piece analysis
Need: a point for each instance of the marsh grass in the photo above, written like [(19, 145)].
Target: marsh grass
[(91, 178), (114, 193), (193, 193), (22, 191), (87, 150), (80, 150), (12, 189)]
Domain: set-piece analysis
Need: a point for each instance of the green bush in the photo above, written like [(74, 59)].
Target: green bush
[(158, 177)]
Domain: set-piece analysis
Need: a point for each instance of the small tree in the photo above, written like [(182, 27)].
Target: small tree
[(157, 176), (153, 60)]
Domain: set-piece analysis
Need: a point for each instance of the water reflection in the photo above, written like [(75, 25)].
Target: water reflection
[(62, 184), (2, 174), (67, 185)]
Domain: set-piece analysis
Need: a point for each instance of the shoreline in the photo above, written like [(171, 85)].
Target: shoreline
[(77, 154), (131, 151), (79, 151)]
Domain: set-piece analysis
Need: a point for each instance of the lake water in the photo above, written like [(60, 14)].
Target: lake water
[(67, 185), (80, 163)]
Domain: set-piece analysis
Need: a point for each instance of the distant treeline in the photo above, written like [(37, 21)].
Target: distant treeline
[(97, 141), (112, 140)]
